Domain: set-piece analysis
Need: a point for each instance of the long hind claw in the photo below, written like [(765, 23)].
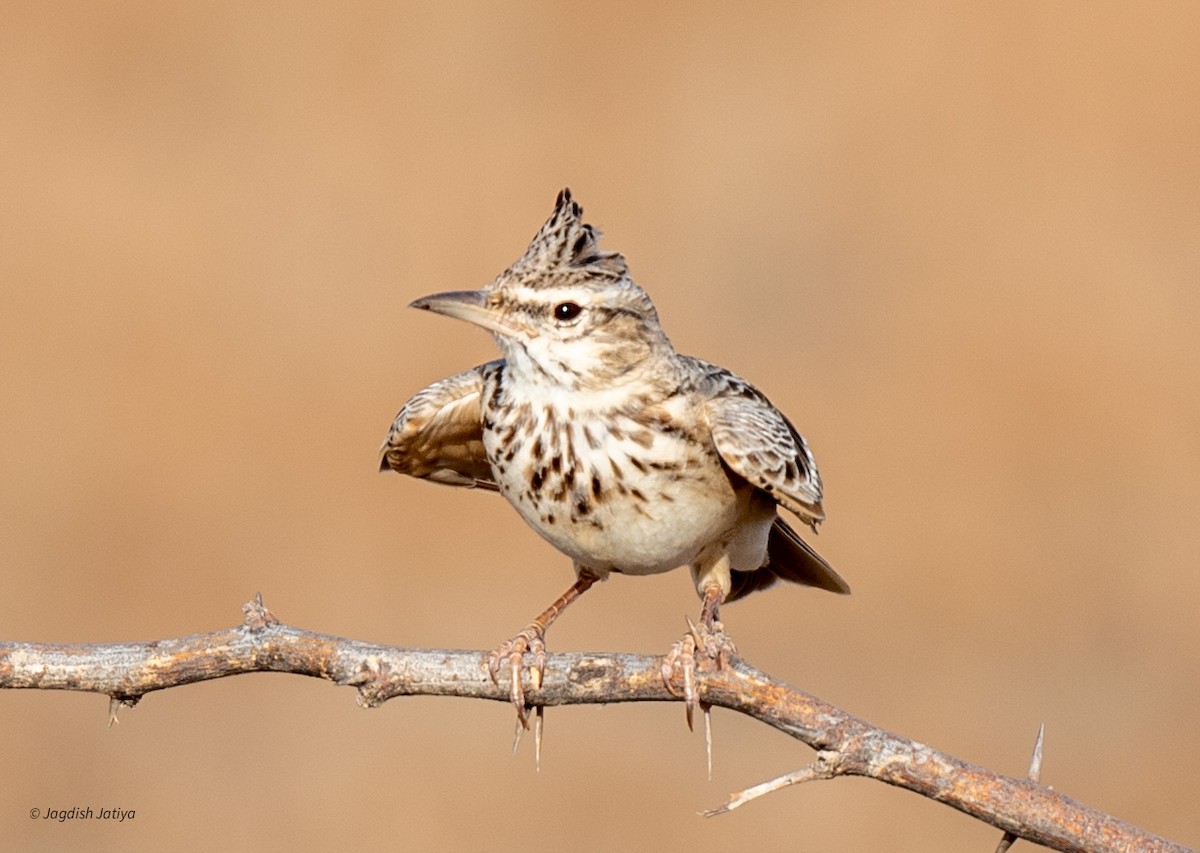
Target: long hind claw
[(511, 655), (681, 661), (700, 646)]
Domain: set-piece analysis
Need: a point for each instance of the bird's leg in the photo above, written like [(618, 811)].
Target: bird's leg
[(717, 645), (532, 640), (709, 640)]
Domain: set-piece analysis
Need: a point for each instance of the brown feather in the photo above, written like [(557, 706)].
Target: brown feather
[(789, 558), (438, 434)]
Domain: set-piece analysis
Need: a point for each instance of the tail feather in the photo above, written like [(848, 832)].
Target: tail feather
[(789, 558)]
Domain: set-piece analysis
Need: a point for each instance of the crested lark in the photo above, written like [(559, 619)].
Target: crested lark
[(623, 454)]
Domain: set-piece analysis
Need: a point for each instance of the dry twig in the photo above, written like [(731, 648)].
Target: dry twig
[(845, 744)]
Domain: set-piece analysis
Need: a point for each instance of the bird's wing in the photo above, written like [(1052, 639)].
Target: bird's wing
[(761, 445), (438, 434)]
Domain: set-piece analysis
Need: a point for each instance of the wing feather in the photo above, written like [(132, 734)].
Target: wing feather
[(759, 444), (438, 434)]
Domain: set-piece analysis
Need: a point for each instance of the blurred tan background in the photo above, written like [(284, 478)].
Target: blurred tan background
[(960, 248)]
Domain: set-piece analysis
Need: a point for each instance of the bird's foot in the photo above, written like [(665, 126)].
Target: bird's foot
[(511, 655), (702, 647)]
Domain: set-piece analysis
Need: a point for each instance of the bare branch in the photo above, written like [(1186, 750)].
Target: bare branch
[(846, 745)]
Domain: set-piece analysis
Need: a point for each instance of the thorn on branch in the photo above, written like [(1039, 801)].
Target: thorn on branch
[(116, 703), (1035, 762), (257, 615), (707, 708), (539, 725), (1034, 775)]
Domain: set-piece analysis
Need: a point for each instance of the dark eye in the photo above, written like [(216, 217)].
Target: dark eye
[(564, 312)]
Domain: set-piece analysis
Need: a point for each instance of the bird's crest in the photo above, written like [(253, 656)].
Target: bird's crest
[(567, 244)]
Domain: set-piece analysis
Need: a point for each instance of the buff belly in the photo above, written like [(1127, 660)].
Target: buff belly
[(613, 500)]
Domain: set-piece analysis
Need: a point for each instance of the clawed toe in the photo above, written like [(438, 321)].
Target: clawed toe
[(680, 662), (511, 655), (532, 641), (718, 647), (700, 647)]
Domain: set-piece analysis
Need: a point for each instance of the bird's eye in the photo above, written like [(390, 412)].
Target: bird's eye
[(565, 312)]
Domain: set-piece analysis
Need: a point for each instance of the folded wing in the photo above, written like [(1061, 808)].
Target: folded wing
[(760, 445)]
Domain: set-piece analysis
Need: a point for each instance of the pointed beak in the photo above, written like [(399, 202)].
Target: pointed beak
[(469, 305)]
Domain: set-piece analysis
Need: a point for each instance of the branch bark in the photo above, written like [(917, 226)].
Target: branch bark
[(845, 744)]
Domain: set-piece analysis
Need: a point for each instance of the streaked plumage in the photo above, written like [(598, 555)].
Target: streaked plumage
[(623, 454)]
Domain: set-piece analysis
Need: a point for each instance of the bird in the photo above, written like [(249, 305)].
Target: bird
[(622, 453)]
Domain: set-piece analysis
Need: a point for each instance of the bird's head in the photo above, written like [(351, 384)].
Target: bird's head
[(566, 312)]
